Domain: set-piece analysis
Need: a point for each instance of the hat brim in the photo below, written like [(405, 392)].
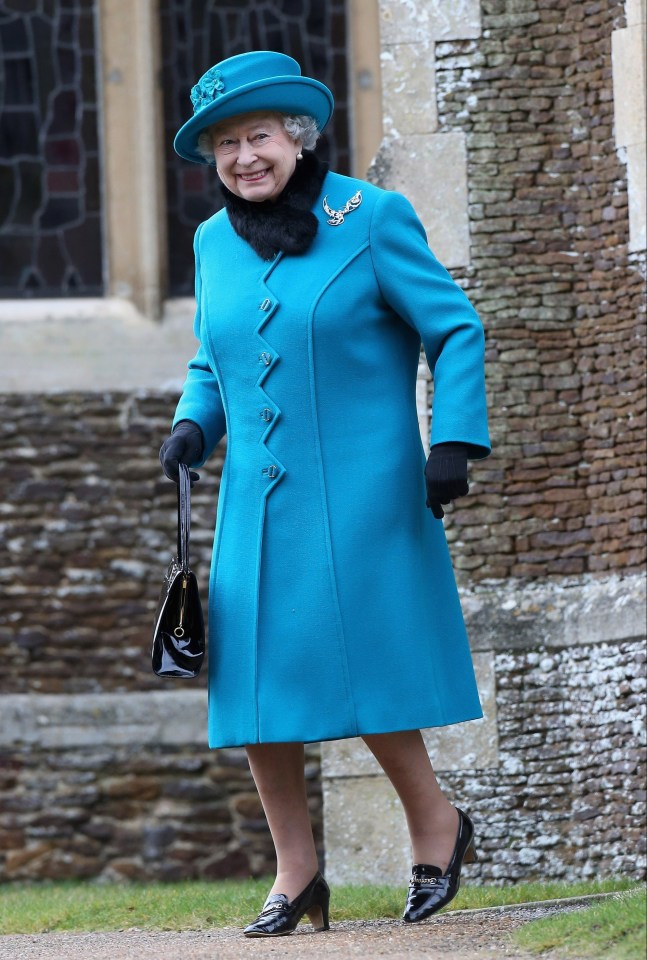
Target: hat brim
[(290, 95)]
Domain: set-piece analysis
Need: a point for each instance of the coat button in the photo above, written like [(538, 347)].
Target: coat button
[(265, 305), (267, 414), (270, 471), (265, 358)]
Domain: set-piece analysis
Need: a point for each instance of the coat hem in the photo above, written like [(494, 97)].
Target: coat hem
[(345, 735)]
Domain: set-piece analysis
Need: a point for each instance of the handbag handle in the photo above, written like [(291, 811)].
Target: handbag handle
[(183, 517)]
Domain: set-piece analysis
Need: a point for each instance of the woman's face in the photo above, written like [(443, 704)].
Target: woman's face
[(254, 155)]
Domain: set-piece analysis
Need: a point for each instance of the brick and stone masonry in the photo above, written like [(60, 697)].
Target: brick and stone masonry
[(561, 296)]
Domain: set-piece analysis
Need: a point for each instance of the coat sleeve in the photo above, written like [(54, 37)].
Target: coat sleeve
[(419, 289), (201, 400)]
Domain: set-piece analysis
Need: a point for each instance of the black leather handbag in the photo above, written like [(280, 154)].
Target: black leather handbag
[(178, 637)]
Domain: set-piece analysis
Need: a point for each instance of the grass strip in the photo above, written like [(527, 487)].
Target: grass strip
[(196, 905), (613, 929)]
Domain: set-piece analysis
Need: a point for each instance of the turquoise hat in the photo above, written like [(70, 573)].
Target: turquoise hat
[(260, 80)]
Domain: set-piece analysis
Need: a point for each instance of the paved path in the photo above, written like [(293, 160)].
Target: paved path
[(461, 935)]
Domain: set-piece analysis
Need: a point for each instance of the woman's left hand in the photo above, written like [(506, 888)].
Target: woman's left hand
[(446, 475)]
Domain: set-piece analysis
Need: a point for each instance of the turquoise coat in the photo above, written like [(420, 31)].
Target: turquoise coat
[(333, 609)]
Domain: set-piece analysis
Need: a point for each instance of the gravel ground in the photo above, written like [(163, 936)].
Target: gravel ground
[(462, 935)]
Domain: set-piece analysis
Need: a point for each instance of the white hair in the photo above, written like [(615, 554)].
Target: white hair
[(300, 127)]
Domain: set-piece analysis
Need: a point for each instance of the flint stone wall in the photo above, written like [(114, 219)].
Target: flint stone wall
[(554, 775)]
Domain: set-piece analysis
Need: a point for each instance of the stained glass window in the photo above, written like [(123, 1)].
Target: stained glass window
[(50, 213), (198, 33)]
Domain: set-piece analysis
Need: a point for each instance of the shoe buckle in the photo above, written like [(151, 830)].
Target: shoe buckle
[(431, 880), (273, 908)]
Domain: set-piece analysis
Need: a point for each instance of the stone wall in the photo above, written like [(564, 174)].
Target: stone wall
[(123, 787), (87, 529), (549, 269), (561, 297), (554, 775), (104, 768)]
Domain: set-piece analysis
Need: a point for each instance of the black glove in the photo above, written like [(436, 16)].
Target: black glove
[(446, 475), (185, 445)]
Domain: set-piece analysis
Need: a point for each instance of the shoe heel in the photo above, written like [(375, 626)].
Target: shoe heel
[(471, 856), (318, 916)]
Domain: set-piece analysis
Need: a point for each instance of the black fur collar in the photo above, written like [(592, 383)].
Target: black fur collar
[(287, 223)]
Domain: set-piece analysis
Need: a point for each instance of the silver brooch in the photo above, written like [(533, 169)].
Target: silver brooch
[(337, 216)]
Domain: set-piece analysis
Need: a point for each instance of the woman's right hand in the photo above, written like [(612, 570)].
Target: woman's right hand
[(185, 445)]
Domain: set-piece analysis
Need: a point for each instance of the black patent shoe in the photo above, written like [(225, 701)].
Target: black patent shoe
[(279, 916), (429, 888)]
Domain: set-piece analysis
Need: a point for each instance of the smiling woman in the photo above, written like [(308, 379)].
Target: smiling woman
[(333, 608), (255, 155), (197, 33)]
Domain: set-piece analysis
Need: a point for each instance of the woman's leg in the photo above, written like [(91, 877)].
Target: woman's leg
[(278, 771), (432, 820)]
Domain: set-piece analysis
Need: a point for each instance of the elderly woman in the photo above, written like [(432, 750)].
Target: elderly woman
[(333, 609)]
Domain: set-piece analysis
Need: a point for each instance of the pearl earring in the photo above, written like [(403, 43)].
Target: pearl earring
[(299, 156)]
